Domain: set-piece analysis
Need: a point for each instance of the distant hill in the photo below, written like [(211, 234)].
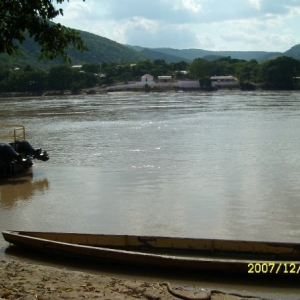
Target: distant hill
[(153, 54), (188, 55), (212, 57), (293, 52), (102, 50), (191, 54)]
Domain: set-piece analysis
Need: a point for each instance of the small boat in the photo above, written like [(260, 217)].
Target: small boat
[(167, 252), (17, 155)]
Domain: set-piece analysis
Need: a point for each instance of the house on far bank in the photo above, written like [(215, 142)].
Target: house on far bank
[(224, 81), (164, 78), (76, 67), (147, 78)]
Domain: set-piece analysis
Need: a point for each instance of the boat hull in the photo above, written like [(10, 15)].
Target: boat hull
[(16, 156), (162, 252), (8, 169)]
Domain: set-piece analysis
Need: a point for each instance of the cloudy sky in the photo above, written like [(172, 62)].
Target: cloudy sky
[(267, 25)]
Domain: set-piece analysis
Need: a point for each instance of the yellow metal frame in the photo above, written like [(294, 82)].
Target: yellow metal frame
[(18, 131)]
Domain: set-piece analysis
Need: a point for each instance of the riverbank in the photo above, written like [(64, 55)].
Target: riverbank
[(19, 280), (55, 93), (113, 88)]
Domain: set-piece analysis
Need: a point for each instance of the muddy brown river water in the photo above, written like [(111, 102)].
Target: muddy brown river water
[(214, 165)]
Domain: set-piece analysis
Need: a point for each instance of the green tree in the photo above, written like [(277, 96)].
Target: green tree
[(60, 78), (83, 79), (24, 81), (179, 66), (22, 18), (157, 71), (28, 68), (247, 71), (110, 72), (142, 68), (4, 73), (91, 68), (279, 73), (200, 68)]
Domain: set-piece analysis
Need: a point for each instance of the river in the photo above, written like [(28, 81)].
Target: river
[(222, 164)]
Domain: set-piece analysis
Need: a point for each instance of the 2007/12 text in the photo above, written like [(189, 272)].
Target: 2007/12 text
[(273, 268)]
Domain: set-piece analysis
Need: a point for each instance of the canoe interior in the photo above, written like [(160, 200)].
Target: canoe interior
[(210, 247)]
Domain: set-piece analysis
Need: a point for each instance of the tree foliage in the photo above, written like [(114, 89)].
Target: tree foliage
[(58, 78), (20, 18), (280, 73), (200, 68)]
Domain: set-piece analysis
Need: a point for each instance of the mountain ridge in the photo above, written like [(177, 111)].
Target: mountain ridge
[(104, 50), (193, 53)]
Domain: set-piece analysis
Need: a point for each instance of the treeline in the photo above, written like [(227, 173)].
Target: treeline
[(280, 73), (59, 78)]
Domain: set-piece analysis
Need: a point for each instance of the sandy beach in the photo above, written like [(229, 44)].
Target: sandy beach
[(20, 280)]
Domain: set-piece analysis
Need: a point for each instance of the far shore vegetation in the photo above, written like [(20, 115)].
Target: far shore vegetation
[(282, 73), (26, 24)]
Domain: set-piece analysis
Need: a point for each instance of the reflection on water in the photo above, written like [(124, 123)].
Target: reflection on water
[(219, 165), (20, 188)]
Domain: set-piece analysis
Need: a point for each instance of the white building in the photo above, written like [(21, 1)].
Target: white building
[(164, 78), (147, 78), (76, 67), (224, 81)]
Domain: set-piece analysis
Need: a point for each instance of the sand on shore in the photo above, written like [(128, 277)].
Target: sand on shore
[(19, 280)]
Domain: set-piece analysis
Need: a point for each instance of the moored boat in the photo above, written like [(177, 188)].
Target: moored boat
[(171, 252), (17, 155)]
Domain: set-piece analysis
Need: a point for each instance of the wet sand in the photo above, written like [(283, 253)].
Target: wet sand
[(20, 280)]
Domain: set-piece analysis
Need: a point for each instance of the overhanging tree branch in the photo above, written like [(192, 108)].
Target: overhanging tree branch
[(19, 18)]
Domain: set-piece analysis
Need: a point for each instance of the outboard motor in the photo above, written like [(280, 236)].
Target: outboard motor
[(24, 147), (8, 154)]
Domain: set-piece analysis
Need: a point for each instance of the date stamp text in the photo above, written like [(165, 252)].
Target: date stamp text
[(274, 268)]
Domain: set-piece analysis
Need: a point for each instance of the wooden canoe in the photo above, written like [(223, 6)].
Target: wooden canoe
[(182, 253)]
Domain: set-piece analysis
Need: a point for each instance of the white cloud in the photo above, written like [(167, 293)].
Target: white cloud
[(161, 36), (145, 25), (206, 41), (192, 5), (208, 24), (255, 3), (76, 9)]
